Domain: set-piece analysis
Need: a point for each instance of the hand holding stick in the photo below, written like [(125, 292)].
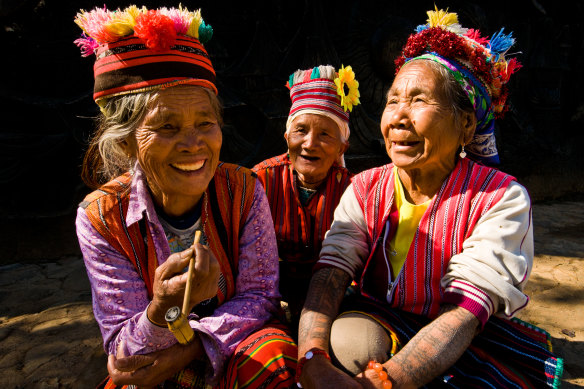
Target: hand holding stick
[(176, 320), (189, 286)]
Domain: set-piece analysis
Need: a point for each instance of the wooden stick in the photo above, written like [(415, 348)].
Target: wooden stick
[(187, 298)]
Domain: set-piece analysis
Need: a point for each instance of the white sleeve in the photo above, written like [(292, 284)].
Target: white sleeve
[(345, 244), (497, 257)]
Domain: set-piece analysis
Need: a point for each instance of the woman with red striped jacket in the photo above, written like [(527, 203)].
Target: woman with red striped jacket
[(304, 185), (439, 245)]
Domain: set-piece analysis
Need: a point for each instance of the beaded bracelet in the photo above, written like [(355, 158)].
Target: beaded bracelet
[(378, 367), (309, 355)]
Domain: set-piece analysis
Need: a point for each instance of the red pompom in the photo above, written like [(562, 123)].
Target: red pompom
[(156, 30), (475, 35), (512, 66)]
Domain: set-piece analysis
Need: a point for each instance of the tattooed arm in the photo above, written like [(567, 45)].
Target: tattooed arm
[(325, 294), (432, 350)]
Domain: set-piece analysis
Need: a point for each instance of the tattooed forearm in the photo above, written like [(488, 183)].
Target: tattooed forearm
[(325, 294), (435, 348)]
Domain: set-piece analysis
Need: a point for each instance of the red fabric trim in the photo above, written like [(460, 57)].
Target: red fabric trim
[(161, 83), (469, 304)]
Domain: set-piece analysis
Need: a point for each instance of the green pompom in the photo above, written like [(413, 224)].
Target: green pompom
[(205, 32), (315, 73)]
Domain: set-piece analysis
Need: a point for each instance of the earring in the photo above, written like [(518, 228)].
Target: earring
[(462, 152)]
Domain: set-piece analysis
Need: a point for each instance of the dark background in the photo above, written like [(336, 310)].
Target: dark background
[(47, 109)]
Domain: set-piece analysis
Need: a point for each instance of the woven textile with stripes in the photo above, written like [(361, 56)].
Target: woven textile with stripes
[(506, 354), (300, 229), (319, 94), (128, 66), (265, 360)]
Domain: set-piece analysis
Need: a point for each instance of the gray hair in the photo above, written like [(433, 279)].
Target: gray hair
[(120, 118), (121, 115)]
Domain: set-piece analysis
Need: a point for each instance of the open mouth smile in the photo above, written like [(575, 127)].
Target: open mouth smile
[(189, 167), (310, 158), (404, 143)]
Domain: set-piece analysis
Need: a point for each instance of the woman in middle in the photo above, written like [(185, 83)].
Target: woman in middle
[(305, 184)]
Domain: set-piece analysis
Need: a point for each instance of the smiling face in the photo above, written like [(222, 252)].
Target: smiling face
[(177, 145), (314, 144), (418, 125)]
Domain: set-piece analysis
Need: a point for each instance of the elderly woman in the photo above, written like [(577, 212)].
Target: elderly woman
[(440, 246), (305, 185), (155, 163)]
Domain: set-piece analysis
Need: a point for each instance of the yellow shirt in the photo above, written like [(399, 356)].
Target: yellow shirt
[(409, 219)]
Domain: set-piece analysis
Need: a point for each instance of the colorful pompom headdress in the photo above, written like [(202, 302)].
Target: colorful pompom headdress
[(324, 91), (138, 49), (477, 63)]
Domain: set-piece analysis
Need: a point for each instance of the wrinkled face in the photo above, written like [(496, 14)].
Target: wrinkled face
[(417, 124), (314, 144), (177, 145)]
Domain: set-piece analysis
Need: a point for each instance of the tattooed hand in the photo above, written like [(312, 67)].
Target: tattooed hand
[(319, 372)]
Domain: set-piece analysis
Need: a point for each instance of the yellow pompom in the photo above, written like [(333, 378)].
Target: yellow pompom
[(122, 24), (195, 23), (133, 12), (441, 18)]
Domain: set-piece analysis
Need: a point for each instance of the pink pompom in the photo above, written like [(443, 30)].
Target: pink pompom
[(87, 45)]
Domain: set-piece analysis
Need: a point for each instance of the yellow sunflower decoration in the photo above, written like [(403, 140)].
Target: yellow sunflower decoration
[(346, 78)]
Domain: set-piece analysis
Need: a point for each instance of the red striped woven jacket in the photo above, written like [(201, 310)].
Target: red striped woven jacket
[(469, 192), (300, 229), (230, 196)]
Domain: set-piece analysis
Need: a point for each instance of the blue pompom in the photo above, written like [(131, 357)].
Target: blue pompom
[(421, 28), (500, 42), (205, 32)]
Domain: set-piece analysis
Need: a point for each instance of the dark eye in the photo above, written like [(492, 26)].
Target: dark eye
[(206, 123), (166, 127)]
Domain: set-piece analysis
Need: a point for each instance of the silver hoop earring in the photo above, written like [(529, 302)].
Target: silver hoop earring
[(462, 152)]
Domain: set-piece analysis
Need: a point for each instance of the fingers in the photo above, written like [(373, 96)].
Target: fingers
[(135, 370), (135, 362), (176, 263), (201, 261)]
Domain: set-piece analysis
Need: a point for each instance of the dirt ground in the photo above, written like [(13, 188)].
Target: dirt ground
[(49, 339)]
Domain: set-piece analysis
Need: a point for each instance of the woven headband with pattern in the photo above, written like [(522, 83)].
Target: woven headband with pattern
[(323, 89), (319, 94), (139, 49)]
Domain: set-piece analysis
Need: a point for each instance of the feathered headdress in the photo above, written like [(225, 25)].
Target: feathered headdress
[(478, 63)]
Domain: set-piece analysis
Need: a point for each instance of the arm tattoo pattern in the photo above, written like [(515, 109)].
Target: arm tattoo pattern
[(437, 346), (325, 294)]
